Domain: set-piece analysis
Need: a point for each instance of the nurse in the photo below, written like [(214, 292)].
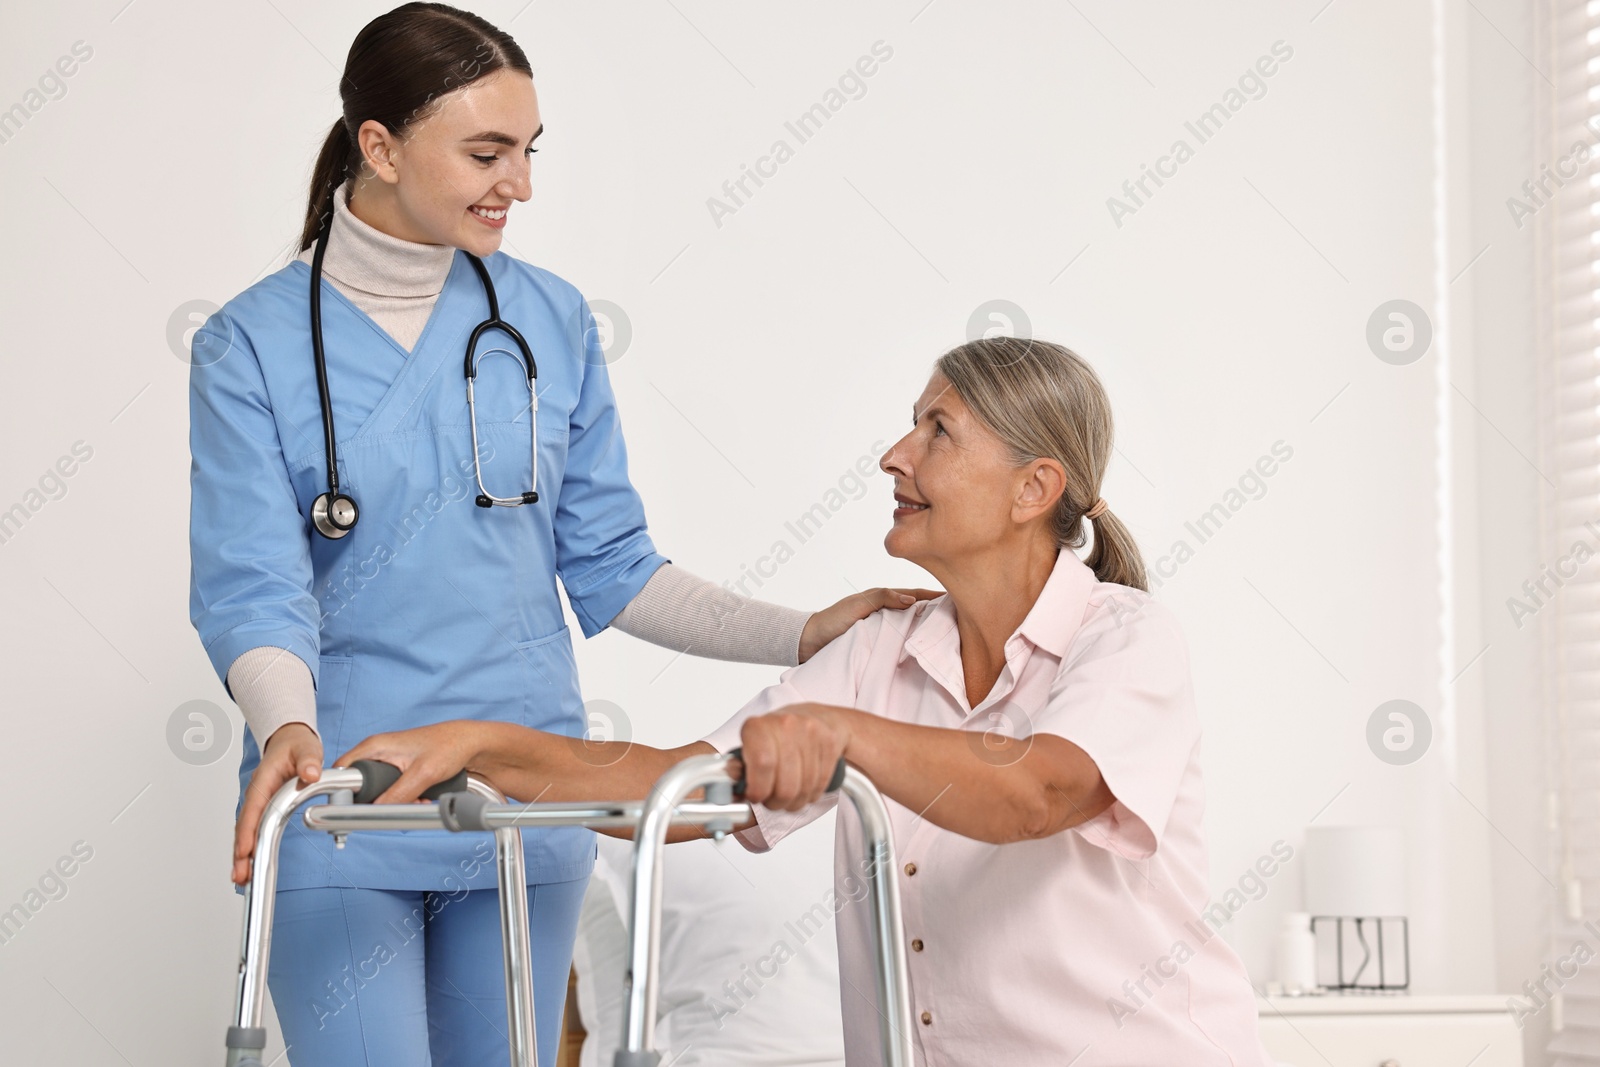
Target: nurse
[(422, 606)]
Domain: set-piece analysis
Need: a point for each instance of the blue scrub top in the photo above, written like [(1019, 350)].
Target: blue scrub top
[(431, 608)]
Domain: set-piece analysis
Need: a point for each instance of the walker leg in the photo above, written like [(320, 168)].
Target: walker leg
[(247, 1037), (888, 927), (644, 911), (511, 871), (644, 914), (246, 1047)]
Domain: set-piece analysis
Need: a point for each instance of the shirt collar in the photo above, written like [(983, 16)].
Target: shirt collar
[(1050, 624)]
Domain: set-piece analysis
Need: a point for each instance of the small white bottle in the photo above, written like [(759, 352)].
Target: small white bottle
[(1297, 954)]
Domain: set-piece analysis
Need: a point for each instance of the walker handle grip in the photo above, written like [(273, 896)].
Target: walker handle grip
[(377, 776), (738, 786)]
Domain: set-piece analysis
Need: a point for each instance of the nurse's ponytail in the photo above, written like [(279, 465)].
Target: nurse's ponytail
[(1044, 400), (333, 165), (399, 65)]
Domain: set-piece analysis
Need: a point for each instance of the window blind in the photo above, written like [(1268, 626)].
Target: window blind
[(1567, 238)]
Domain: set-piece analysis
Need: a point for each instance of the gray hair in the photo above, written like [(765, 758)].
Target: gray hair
[(1044, 401)]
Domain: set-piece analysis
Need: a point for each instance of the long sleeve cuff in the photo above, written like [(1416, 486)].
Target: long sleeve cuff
[(678, 610), (273, 688)]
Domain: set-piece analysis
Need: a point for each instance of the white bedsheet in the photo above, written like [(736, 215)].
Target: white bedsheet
[(741, 983)]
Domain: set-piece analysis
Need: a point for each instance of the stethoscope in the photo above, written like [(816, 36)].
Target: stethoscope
[(334, 514)]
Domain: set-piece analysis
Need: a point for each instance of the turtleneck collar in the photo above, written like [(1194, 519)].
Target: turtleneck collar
[(363, 257)]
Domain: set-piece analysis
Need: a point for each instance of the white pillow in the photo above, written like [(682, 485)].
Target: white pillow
[(742, 983)]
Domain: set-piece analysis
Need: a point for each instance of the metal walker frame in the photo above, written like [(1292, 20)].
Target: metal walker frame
[(467, 804)]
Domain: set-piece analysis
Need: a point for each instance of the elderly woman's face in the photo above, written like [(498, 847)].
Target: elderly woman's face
[(954, 482)]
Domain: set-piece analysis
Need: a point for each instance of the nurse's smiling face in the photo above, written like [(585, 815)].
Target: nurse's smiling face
[(958, 492), (455, 168)]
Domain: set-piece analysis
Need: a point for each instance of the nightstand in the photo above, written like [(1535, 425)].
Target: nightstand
[(1391, 1030)]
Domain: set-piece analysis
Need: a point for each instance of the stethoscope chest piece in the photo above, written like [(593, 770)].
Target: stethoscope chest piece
[(334, 515)]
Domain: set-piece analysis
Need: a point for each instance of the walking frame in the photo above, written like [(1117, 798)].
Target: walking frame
[(467, 804)]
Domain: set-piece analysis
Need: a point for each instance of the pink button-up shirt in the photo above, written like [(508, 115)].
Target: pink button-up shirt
[(1089, 947)]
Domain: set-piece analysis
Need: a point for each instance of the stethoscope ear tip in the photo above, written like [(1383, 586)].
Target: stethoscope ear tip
[(530, 497), (483, 501)]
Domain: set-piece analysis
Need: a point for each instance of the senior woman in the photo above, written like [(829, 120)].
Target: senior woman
[(1033, 731)]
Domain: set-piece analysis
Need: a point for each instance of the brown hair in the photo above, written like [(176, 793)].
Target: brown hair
[(399, 65), (1043, 400)]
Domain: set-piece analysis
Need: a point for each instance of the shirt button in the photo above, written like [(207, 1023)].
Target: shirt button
[(927, 1018), (916, 945), (911, 868)]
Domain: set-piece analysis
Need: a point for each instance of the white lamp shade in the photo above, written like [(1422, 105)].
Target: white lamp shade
[(1355, 870)]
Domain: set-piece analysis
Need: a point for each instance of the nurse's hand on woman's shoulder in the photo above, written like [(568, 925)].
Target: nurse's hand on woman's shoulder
[(830, 622), (293, 750)]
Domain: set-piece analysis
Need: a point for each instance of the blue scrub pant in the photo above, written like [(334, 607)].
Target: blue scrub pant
[(408, 978)]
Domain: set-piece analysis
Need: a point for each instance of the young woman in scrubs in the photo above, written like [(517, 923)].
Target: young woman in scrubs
[(1034, 732), (387, 952)]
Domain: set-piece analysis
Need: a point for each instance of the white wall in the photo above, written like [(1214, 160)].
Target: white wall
[(1504, 74), (768, 355)]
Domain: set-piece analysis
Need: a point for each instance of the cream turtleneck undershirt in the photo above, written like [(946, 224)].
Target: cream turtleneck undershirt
[(393, 280), (396, 282)]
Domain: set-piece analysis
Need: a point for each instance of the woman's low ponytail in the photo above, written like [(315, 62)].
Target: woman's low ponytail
[(1115, 556), (333, 166)]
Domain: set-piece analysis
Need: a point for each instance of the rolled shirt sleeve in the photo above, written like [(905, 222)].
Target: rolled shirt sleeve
[(603, 551), (250, 558), (832, 676), (1124, 696)]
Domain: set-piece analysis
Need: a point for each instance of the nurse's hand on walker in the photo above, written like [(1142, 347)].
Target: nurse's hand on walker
[(293, 749), (832, 621)]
